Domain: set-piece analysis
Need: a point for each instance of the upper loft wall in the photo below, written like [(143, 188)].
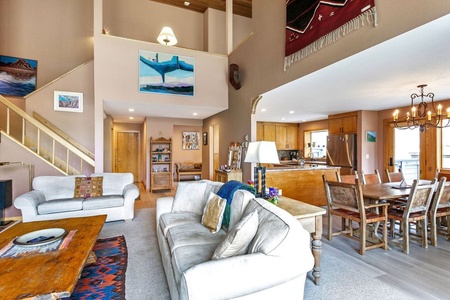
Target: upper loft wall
[(58, 34), (117, 76), (144, 20)]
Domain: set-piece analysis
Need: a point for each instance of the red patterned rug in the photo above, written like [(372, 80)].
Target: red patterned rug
[(106, 278)]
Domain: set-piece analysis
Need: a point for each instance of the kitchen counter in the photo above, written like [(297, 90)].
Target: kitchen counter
[(301, 183)]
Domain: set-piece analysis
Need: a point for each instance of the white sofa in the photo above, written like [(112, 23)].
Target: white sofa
[(274, 265), (52, 198)]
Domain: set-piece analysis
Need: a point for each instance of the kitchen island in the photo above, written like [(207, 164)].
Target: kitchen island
[(301, 183)]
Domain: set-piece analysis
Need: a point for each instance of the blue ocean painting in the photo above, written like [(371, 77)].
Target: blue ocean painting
[(17, 76), (166, 73)]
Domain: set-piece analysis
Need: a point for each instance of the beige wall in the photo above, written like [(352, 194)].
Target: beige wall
[(58, 34)]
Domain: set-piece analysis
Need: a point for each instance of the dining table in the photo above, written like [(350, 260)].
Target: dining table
[(388, 190)]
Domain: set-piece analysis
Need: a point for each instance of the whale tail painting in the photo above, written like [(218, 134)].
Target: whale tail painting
[(164, 73)]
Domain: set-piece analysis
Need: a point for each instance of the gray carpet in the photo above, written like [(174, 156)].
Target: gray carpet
[(342, 277), (145, 275)]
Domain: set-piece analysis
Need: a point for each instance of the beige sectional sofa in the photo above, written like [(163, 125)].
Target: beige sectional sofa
[(53, 197), (271, 264)]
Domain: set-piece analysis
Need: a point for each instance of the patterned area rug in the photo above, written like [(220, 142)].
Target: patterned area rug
[(106, 278)]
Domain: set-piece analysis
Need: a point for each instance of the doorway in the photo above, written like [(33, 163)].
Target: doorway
[(127, 153)]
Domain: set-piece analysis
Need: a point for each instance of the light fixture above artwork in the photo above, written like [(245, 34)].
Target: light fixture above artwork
[(420, 117), (167, 37)]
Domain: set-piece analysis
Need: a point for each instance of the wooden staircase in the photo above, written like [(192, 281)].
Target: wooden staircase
[(44, 140)]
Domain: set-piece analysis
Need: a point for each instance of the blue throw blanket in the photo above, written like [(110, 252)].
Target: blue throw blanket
[(226, 191)]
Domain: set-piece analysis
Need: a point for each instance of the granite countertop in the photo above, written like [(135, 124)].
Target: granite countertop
[(299, 168)]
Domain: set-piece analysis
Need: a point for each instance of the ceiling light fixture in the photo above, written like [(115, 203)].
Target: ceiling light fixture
[(195, 114), (187, 3), (131, 109), (419, 117), (291, 112), (167, 37)]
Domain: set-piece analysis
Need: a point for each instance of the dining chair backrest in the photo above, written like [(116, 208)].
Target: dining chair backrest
[(394, 176), (441, 197), (370, 178), (351, 178), (419, 199), (440, 174), (344, 195)]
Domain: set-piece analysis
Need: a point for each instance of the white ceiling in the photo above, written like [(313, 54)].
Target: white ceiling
[(379, 78)]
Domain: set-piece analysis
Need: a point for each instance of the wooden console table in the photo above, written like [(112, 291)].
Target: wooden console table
[(223, 176), (310, 217)]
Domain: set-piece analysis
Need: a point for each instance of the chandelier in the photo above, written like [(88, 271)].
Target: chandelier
[(419, 117)]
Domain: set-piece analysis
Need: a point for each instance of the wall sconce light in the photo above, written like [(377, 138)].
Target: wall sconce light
[(167, 37)]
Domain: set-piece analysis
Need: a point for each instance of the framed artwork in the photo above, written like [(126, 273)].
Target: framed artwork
[(17, 75), (190, 140), (205, 138), (68, 101), (371, 136), (166, 73)]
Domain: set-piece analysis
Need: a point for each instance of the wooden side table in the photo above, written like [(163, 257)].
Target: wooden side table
[(223, 176), (310, 217)]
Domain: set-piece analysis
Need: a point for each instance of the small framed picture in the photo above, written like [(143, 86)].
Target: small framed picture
[(371, 136), (68, 101), (205, 138)]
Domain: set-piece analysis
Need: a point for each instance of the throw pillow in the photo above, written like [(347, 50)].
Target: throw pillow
[(238, 238), (190, 197), (213, 212), (86, 187)]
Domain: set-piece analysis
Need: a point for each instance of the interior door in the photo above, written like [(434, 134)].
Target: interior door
[(127, 153)]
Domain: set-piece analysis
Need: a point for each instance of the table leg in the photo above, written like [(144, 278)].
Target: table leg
[(316, 246)]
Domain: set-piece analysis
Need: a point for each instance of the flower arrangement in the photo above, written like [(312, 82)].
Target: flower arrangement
[(273, 195)]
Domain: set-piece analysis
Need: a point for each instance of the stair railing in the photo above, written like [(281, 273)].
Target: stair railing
[(71, 152)]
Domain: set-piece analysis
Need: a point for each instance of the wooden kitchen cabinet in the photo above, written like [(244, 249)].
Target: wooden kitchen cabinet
[(284, 135), (343, 123)]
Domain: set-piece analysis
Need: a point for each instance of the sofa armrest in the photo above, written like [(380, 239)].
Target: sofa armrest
[(163, 205), (130, 193), (231, 275), (28, 204)]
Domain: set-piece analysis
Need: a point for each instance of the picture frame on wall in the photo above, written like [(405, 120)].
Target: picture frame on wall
[(190, 140), (205, 138), (17, 75), (165, 73), (371, 136), (68, 101)]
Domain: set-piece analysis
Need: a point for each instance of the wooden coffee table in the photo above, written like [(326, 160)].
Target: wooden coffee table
[(310, 217), (50, 275)]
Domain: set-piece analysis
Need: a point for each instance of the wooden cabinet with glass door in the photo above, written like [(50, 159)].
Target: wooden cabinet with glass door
[(161, 164)]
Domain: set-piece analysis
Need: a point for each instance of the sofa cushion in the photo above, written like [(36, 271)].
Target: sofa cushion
[(61, 205), (186, 257), (114, 183), (169, 220), (240, 200), (211, 186), (213, 212), (189, 197), (272, 229), (56, 187), (86, 187), (103, 202), (238, 238), (192, 234)]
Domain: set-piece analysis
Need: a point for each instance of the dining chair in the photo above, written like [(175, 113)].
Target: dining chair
[(347, 178), (371, 178), (394, 176), (346, 200), (440, 207), (415, 210)]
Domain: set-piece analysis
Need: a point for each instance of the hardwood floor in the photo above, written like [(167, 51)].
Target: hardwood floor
[(423, 273)]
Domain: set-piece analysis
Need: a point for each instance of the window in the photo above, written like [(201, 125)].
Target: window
[(407, 152), (446, 148), (315, 144)]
